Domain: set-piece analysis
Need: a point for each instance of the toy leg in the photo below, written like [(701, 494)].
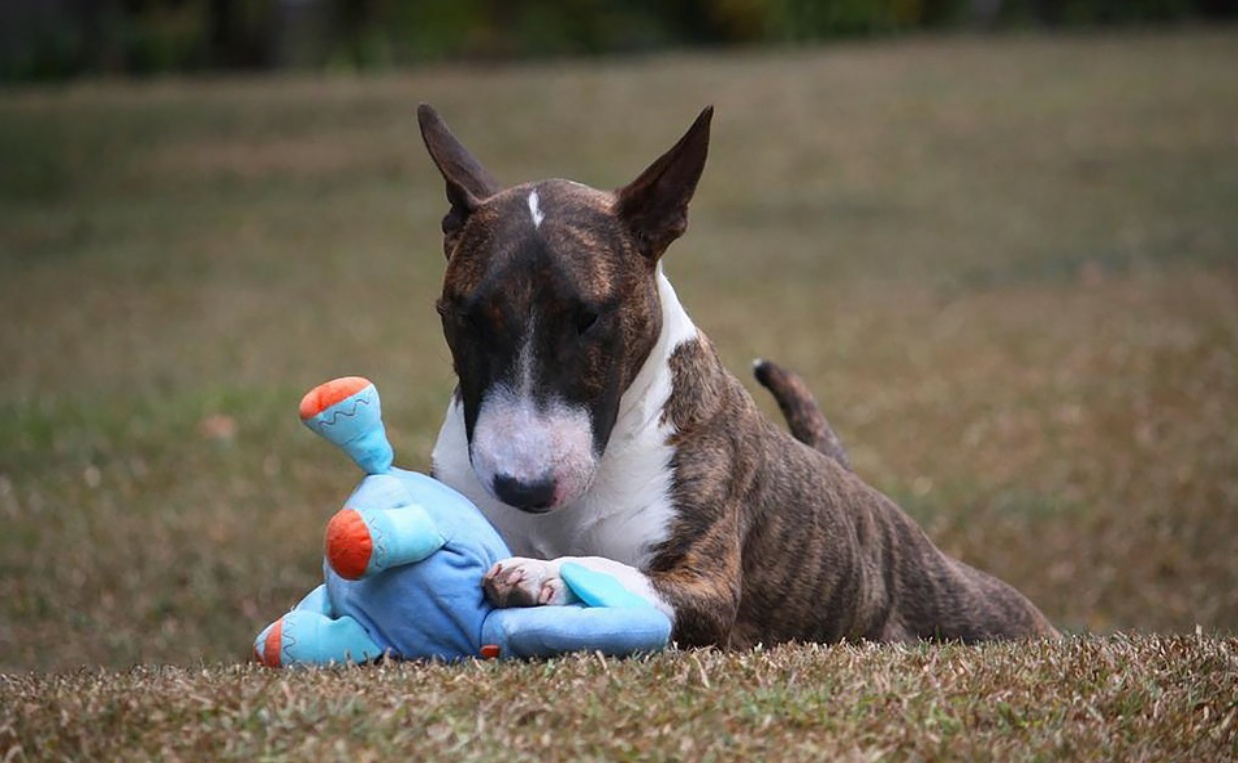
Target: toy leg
[(348, 413), (364, 542), (309, 635)]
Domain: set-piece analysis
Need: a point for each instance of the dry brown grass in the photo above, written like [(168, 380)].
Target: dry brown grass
[(1132, 699), (1007, 266)]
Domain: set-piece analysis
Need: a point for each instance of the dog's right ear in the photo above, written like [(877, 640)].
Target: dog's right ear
[(468, 183)]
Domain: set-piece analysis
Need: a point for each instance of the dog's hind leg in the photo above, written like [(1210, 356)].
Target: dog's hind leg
[(804, 417)]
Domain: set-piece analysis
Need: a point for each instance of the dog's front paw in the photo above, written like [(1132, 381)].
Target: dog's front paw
[(520, 582)]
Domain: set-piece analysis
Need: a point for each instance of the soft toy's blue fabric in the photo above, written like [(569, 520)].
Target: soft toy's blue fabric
[(405, 560)]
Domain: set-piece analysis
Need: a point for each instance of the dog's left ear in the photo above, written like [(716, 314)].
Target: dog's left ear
[(655, 205), (468, 183)]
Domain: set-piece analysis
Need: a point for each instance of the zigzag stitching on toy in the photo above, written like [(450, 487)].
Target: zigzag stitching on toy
[(379, 540), (346, 413)]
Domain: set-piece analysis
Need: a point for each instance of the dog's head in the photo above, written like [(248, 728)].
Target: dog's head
[(550, 307)]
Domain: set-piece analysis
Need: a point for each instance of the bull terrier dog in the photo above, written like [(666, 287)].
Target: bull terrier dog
[(593, 422)]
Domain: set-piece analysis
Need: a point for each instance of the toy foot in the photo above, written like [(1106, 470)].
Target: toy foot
[(520, 582), (317, 600), (305, 638), (364, 542)]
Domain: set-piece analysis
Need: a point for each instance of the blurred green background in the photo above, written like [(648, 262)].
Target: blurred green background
[(41, 39)]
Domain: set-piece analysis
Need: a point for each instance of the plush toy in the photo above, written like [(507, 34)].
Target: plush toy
[(404, 564)]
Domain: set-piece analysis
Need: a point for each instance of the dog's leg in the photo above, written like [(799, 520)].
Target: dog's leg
[(523, 582), (804, 417), (702, 606)]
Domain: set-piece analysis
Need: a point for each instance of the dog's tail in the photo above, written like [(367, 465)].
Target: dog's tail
[(804, 417)]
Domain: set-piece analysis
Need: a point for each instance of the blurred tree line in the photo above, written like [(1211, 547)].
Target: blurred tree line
[(48, 39)]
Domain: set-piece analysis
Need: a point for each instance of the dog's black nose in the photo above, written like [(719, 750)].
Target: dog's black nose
[(535, 496)]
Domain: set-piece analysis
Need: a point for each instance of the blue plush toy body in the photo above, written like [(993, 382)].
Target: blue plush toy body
[(404, 563)]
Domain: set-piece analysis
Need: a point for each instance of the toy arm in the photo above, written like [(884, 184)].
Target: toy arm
[(380, 528), (611, 620), (548, 631)]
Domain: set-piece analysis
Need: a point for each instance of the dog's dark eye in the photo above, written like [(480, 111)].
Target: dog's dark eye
[(585, 320), (469, 320)]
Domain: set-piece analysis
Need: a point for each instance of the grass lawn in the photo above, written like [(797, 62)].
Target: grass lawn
[(1007, 266)]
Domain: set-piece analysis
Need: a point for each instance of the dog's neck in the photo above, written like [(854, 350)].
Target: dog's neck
[(628, 506), (642, 404)]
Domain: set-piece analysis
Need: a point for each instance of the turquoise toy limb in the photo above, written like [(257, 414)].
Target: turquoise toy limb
[(317, 600), (354, 423), (310, 636), (597, 589), (308, 639), (611, 620), (362, 542), (526, 632)]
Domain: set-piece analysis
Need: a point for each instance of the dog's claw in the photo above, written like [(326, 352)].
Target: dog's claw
[(491, 574), (503, 589), (553, 592)]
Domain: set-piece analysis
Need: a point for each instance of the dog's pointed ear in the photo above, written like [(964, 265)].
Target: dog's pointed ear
[(468, 183), (655, 205)]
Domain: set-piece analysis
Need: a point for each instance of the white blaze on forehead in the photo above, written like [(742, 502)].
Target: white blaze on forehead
[(525, 361), (534, 210)]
